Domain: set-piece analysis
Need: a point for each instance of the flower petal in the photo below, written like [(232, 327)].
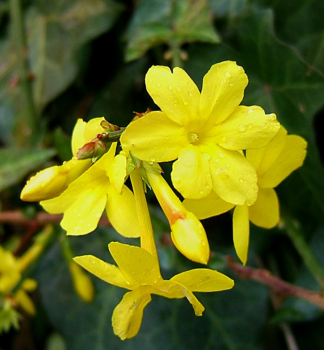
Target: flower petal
[(211, 205), (135, 263), (234, 178), (246, 127), (291, 158), (84, 214), (154, 137), (25, 302), (103, 270), (263, 158), (191, 173), (241, 231), (189, 237), (128, 314), (265, 211), (117, 171), (175, 93), (204, 280), (121, 211), (77, 140), (222, 91)]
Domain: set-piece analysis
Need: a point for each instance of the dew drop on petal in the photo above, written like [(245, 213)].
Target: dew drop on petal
[(158, 84), (170, 87), (221, 155), (242, 127), (228, 74)]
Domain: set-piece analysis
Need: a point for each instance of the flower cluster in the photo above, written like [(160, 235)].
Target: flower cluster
[(226, 157)]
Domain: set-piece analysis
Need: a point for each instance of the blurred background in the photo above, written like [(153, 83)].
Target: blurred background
[(69, 59)]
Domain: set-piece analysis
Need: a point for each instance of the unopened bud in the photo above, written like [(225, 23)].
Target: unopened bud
[(93, 149), (82, 282), (52, 181)]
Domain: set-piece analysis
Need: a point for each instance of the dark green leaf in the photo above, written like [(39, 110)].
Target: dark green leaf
[(168, 22), (15, 164)]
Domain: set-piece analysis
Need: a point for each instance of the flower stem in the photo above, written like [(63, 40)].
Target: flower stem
[(146, 230), (28, 124), (297, 238), (276, 284)]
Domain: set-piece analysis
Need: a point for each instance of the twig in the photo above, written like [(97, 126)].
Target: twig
[(279, 286)]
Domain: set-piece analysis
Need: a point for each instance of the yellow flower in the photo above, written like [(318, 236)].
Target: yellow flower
[(187, 232), (10, 275), (85, 199), (206, 132), (273, 163), (52, 181), (139, 272)]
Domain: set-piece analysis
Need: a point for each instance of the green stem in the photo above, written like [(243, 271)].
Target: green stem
[(176, 54), (28, 124), (146, 230), (114, 136), (297, 238)]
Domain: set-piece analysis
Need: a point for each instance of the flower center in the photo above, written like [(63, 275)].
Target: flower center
[(193, 137)]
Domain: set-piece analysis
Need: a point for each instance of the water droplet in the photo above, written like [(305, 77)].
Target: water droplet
[(242, 127), (201, 192), (224, 138), (158, 84), (241, 180), (228, 74), (251, 110), (263, 125), (178, 88), (221, 155), (176, 179), (152, 159), (185, 103), (170, 87)]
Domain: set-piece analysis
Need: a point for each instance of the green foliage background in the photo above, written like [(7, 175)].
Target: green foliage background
[(89, 59)]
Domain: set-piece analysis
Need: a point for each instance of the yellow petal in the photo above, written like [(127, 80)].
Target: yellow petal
[(246, 127), (117, 172), (128, 314), (265, 211), (29, 285), (25, 302), (234, 178), (195, 303), (154, 137), (103, 270), (121, 211), (175, 93), (191, 173), (204, 280), (135, 263), (84, 214), (263, 158), (241, 231), (223, 90), (211, 205), (291, 158), (93, 128), (189, 237), (78, 136), (82, 282)]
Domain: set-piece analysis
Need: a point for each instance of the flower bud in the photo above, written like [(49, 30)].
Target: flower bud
[(187, 232), (82, 282), (52, 181)]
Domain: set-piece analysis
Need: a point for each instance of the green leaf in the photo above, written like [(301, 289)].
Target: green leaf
[(167, 21), (15, 164), (56, 32)]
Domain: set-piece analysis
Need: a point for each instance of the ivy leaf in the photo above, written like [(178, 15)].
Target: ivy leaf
[(15, 164), (56, 31), (170, 22)]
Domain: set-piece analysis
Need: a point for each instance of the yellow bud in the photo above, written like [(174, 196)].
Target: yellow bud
[(187, 232), (52, 181), (189, 236), (82, 282)]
